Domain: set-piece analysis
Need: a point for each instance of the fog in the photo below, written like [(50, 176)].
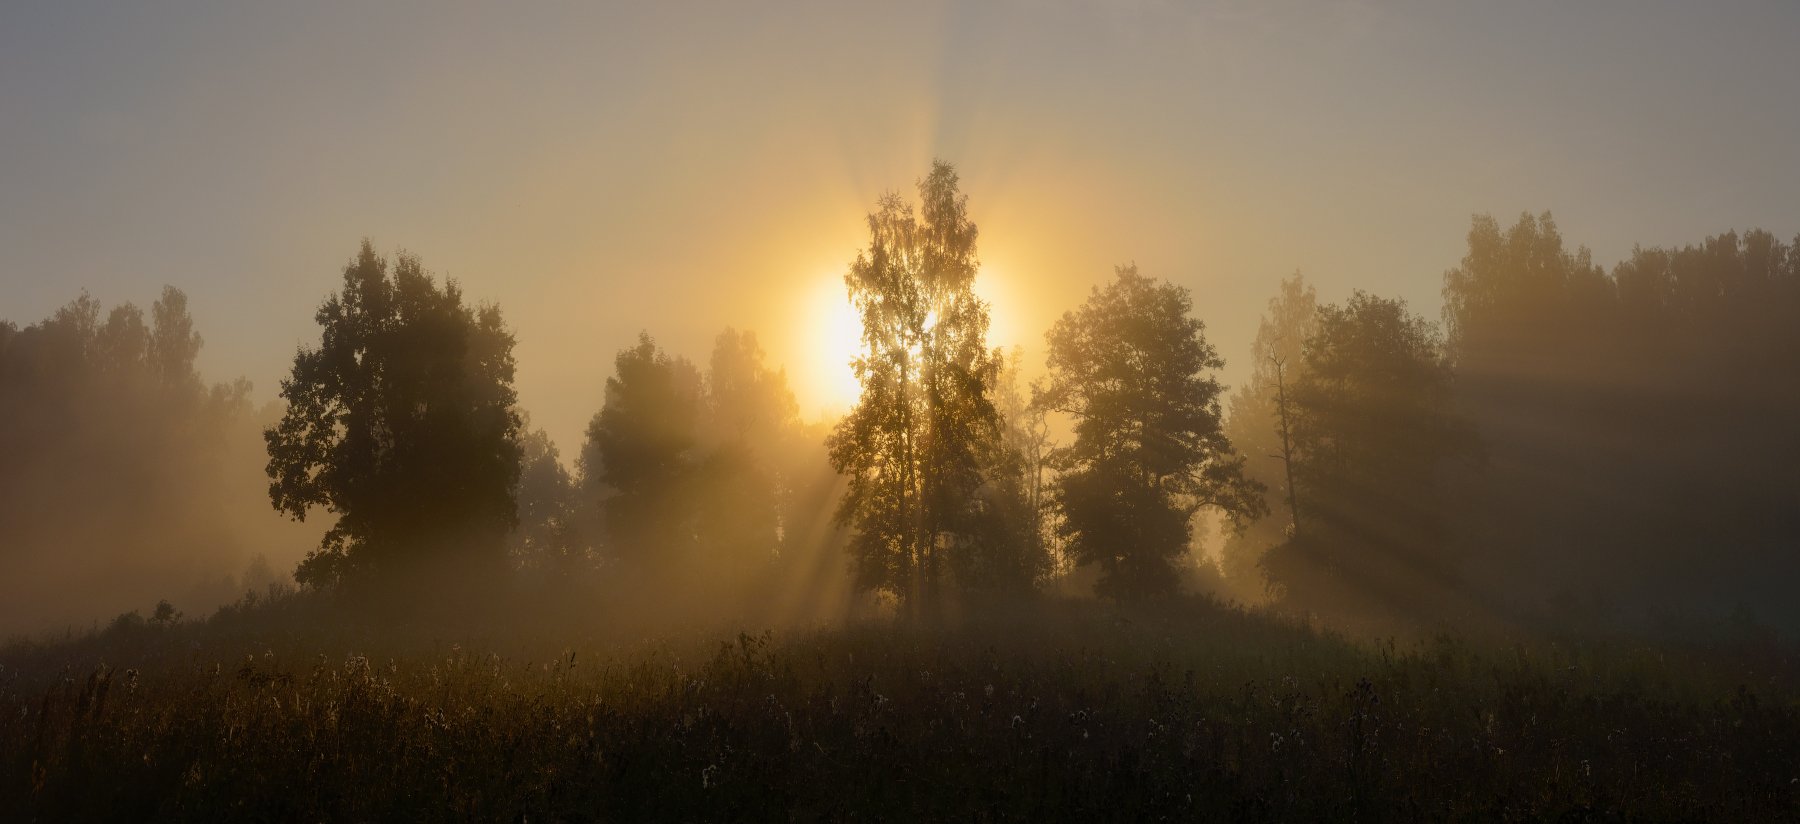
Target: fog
[(1584, 450), (659, 207), (126, 478)]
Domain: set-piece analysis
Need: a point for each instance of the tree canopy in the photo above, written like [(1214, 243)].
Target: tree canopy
[(1638, 421), (919, 444), (401, 422), (122, 473), (1132, 367), (1376, 437)]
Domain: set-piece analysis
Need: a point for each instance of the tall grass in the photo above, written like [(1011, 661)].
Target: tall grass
[(1062, 711)]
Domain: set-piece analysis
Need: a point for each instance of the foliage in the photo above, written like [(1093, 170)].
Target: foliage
[(748, 481), (123, 475), (645, 436), (1014, 536), (1133, 369), (704, 482), (401, 423), (924, 437), (1375, 436), (1639, 422)]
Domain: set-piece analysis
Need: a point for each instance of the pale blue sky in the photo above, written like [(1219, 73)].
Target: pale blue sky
[(679, 167)]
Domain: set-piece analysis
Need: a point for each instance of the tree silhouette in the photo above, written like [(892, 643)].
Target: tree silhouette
[(748, 401), (1375, 435), (1018, 488), (1254, 424), (698, 480), (120, 469), (918, 443), (401, 423), (1639, 423), (1134, 370), (644, 441), (744, 485)]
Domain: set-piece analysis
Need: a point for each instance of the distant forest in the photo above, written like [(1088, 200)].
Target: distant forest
[(1566, 449)]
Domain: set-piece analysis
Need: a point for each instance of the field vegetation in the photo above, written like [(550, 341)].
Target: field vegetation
[(294, 709)]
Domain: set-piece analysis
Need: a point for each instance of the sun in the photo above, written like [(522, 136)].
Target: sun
[(835, 341), (833, 338)]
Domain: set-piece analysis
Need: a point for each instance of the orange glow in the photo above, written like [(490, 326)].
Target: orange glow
[(832, 338)]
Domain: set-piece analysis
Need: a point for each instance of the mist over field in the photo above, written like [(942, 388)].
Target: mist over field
[(1003, 411)]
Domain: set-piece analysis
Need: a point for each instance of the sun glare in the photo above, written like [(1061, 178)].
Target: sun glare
[(834, 339)]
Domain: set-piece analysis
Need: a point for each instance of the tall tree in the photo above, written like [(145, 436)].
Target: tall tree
[(1259, 414), (1133, 369), (1376, 437), (1008, 552), (1531, 327), (916, 445), (401, 423)]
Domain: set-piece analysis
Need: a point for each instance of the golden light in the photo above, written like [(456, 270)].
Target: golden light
[(835, 341), (833, 338), (1002, 308)]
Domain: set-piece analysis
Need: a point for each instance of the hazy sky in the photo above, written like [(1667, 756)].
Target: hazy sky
[(598, 170)]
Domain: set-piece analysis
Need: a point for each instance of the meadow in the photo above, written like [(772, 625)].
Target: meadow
[(287, 710)]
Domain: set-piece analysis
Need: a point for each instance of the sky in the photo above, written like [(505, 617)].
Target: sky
[(604, 169)]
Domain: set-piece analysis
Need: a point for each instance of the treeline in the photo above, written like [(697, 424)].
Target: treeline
[(124, 477), (1578, 448), (692, 490), (1570, 448)]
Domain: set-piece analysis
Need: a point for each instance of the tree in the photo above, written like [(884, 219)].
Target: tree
[(1375, 437), (1025, 456), (401, 422), (705, 490), (745, 485), (747, 400), (122, 474), (918, 442), (1259, 417), (644, 441), (546, 536), (1134, 371), (1638, 423)]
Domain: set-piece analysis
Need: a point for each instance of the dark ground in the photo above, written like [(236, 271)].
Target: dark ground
[(1058, 712)]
